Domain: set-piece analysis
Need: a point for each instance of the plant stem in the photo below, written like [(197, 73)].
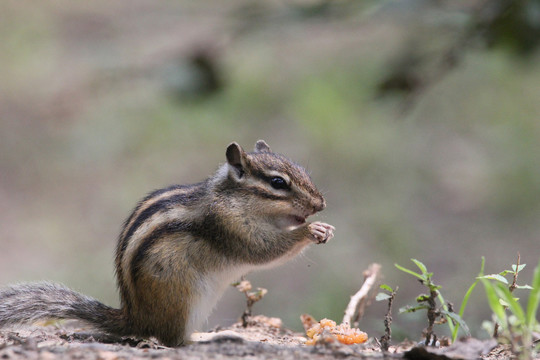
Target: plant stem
[(432, 315), (512, 287), (247, 313), (385, 339)]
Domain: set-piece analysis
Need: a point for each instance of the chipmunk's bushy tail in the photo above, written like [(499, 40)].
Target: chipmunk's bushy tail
[(28, 303)]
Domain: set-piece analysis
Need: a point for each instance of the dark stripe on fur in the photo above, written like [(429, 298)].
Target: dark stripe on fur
[(122, 245), (145, 199), (263, 193), (191, 195), (163, 231)]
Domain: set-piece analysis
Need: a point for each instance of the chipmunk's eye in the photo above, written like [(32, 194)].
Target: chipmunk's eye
[(278, 183)]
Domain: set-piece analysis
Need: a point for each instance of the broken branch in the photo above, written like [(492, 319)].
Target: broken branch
[(357, 304)]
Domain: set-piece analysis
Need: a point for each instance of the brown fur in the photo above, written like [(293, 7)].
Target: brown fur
[(182, 245)]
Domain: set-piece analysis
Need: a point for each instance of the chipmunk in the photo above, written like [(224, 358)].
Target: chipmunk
[(183, 245)]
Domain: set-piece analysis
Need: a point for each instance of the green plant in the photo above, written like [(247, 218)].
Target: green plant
[(518, 327), (516, 268), (465, 300), (428, 302)]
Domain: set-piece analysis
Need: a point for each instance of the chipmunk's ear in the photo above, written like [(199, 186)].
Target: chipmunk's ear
[(262, 146), (236, 158)]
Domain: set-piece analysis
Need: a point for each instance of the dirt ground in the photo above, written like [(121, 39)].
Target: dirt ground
[(264, 338)]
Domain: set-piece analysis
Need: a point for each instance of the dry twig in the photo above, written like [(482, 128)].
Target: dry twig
[(358, 302), (385, 339), (252, 297)]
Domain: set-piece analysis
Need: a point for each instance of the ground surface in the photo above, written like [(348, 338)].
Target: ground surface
[(263, 339)]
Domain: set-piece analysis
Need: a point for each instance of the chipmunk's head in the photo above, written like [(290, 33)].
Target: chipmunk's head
[(282, 188)]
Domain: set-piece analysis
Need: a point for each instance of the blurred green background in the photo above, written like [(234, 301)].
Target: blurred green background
[(417, 119)]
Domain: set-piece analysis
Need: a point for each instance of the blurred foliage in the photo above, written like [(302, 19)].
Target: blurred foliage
[(514, 25), (417, 119)]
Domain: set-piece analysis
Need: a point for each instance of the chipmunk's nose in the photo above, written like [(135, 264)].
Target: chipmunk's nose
[(319, 204)]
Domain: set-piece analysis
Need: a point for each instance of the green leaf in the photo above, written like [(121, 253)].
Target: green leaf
[(518, 268), (534, 298), (421, 266), (382, 296), (466, 298), (419, 276), (493, 300), (513, 305), (526, 287), (422, 298), (387, 288), (481, 273), (471, 288), (497, 277), (462, 308), (410, 309), (457, 319)]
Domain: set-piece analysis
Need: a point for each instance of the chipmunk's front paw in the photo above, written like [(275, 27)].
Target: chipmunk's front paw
[(321, 232)]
